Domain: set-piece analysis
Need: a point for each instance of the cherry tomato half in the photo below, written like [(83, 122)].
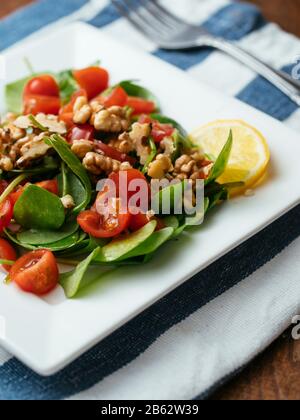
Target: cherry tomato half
[(35, 104), (93, 79), (159, 130), (99, 226), (6, 213), (117, 97), (36, 272), (138, 221), (50, 185), (132, 174), (7, 252), (81, 132), (140, 105), (3, 185), (113, 153), (44, 85)]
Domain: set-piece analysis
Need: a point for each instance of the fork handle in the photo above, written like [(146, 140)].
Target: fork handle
[(284, 82)]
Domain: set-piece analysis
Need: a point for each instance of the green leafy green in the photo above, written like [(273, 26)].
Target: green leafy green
[(75, 166), (168, 199), (67, 85), (151, 157), (222, 161), (150, 245), (39, 209), (14, 95), (71, 184), (47, 165), (119, 248), (36, 124), (75, 280), (42, 237), (63, 244)]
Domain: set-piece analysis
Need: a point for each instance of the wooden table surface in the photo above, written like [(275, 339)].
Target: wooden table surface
[(275, 375)]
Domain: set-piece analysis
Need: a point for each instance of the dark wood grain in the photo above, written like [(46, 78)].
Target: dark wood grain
[(275, 375)]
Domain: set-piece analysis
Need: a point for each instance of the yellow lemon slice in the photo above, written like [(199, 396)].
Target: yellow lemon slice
[(250, 153)]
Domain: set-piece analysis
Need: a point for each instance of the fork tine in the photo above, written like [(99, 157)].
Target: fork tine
[(168, 17), (135, 13), (155, 13), (129, 14)]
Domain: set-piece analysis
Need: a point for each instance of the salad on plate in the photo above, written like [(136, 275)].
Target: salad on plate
[(79, 158)]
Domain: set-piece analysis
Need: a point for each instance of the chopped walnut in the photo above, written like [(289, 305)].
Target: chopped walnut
[(6, 164), (123, 143), (82, 110), (81, 147), (168, 146), (32, 150), (192, 166), (160, 167), (98, 164), (68, 202), (139, 136), (111, 120), (48, 121)]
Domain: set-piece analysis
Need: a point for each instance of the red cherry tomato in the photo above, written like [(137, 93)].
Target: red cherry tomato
[(145, 119), (3, 185), (44, 85), (81, 132), (69, 107), (140, 105), (36, 272), (159, 130), (138, 221), (117, 97), (35, 104), (6, 213), (93, 79), (50, 185), (14, 196), (66, 112), (113, 153), (99, 226), (132, 174), (67, 118), (7, 252)]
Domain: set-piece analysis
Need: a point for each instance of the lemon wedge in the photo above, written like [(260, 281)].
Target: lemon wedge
[(250, 153)]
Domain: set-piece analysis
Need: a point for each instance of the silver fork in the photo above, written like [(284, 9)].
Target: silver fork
[(170, 32)]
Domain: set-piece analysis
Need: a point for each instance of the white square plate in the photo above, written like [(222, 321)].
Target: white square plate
[(47, 334)]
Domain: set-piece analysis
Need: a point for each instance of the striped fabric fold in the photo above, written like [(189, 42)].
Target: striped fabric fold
[(166, 352)]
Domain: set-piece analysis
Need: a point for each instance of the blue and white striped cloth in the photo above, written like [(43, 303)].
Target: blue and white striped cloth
[(193, 340)]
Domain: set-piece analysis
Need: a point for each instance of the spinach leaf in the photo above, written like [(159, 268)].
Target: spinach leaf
[(39, 209), (133, 89), (150, 245), (151, 157), (63, 244), (74, 280), (67, 85), (48, 164), (222, 161), (73, 186), (119, 248), (13, 239), (74, 164), (14, 95), (43, 237), (168, 199), (84, 247)]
